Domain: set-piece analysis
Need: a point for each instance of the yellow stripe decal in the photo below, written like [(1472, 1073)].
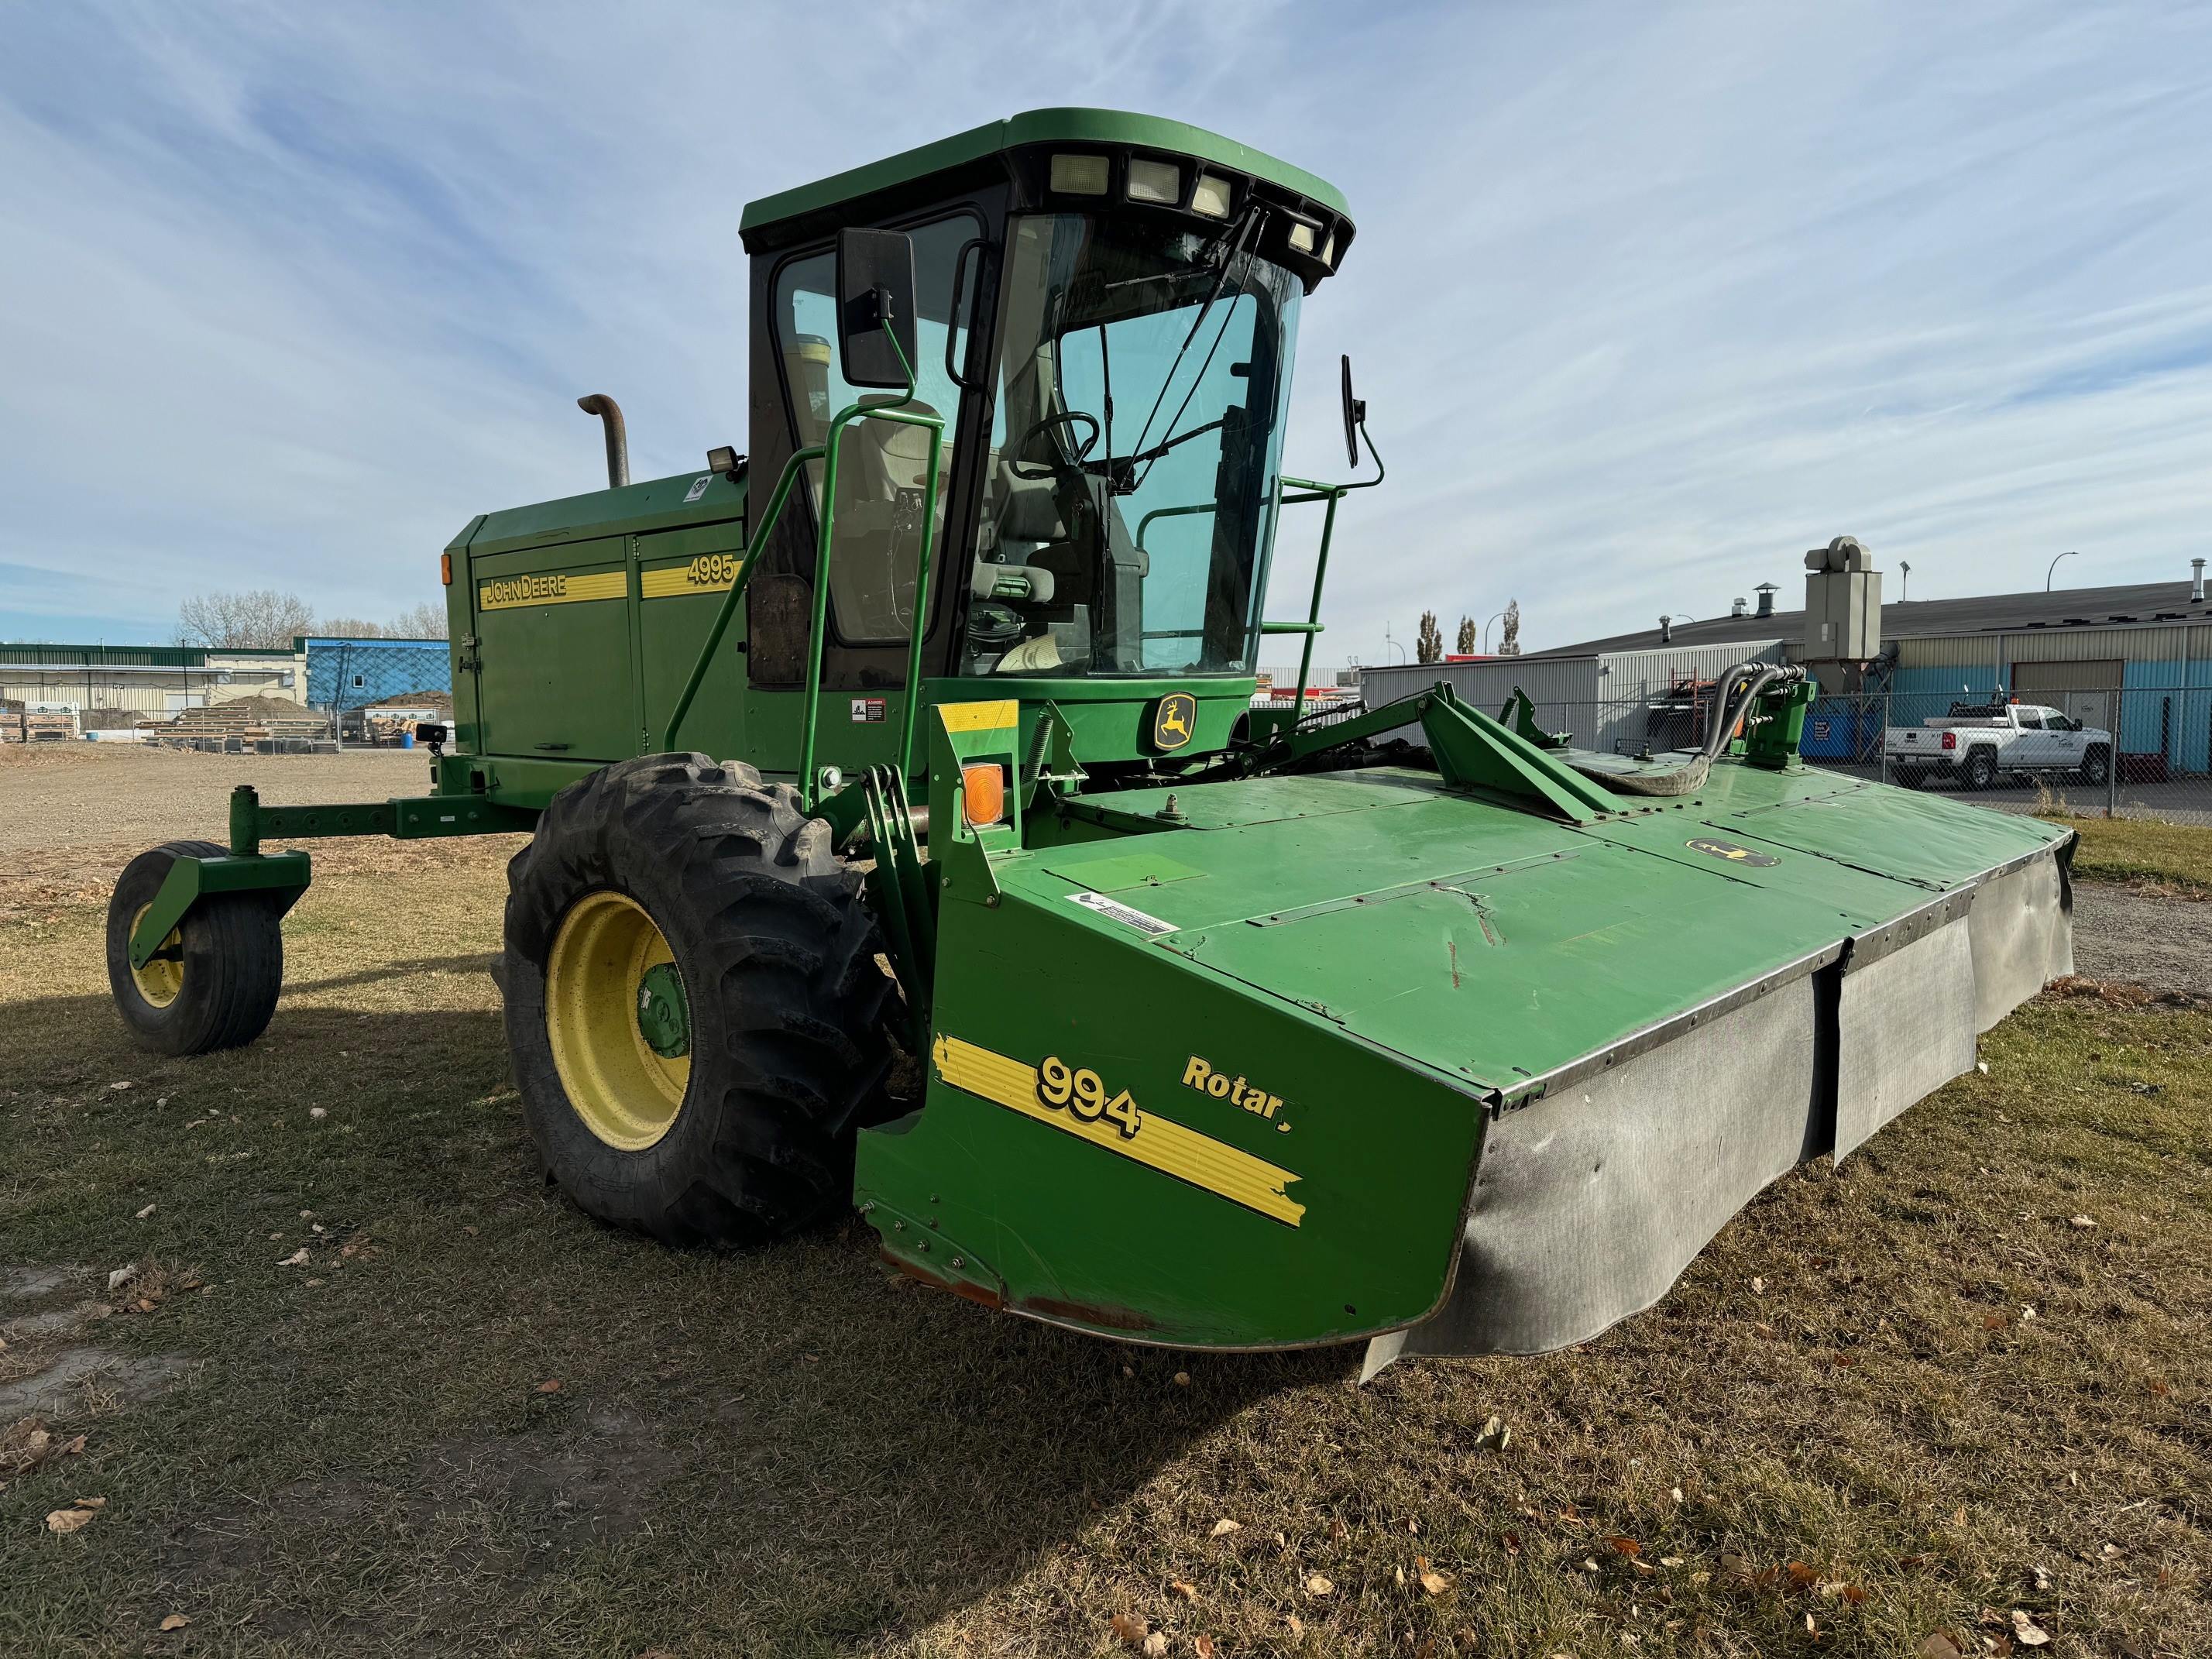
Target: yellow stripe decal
[(553, 587), (980, 716), (1165, 1145), (715, 573)]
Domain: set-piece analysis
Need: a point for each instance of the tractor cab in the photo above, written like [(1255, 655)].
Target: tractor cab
[(1094, 319)]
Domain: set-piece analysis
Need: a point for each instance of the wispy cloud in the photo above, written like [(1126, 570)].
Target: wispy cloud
[(1645, 301)]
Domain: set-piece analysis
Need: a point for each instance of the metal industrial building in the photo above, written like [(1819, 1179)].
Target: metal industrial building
[(124, 684), (2137, 659), (143, 681)]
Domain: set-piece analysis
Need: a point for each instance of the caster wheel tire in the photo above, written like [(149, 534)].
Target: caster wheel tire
[(214, 983)]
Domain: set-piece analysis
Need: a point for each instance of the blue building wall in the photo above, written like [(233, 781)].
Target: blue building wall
[(2166, 704), (353, 673)]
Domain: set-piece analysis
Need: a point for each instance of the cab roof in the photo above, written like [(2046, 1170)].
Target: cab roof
[(1033, 128)]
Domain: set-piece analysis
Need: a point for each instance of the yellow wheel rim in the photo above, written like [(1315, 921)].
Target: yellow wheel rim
[(162, 978), (619, 1030)]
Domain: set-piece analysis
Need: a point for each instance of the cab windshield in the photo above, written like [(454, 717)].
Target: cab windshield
[(1128, 509)]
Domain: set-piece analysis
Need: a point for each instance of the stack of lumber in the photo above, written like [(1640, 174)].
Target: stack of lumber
[(251, 721)]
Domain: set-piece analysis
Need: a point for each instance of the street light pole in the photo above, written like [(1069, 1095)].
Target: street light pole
[(2054, 566), (1486, 634)]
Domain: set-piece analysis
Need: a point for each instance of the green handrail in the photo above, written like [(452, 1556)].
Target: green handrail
[(744, 575), (826, 452), (1332, 493), (809, 785)]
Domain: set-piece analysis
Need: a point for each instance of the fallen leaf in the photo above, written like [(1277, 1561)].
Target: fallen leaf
[(2031, 1634), (1854, 1594), (1317, 1585), (1156, 1645), (1182, 1381), (1298, 1624), (1188, 1592), (1223, 1526), (297, 1259), (68, 1520), (122, 1276), (2042, 1578), (1338, 1530), (89, 1502), (551, 1385), (317, 1111), (1627, 1546), (1983, 1067), (144, 1214), (1735, 1570), (1202, 1645), (1512, 1542), (1759, 1287), (1939, 1647), (1677, 1494), (1435, 1582), (1670, 1560), (175, 1621), (2083, 1221), (1800, 1575), (1127, 1627)]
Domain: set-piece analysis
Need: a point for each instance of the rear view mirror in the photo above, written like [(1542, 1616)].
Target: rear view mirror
[(875, 287), (1355, 411)]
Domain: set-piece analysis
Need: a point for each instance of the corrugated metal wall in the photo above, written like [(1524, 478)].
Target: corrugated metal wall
[(1564, 688), (1605, 701)]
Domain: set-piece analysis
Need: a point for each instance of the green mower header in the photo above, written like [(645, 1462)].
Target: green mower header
[(1231, 1026)]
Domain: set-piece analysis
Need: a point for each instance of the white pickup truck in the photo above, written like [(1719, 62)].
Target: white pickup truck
[(1977, 744)]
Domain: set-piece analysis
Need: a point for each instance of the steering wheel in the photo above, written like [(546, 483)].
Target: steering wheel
[(1065, 417)]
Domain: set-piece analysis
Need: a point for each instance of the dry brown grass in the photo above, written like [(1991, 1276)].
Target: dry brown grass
[(1904, 1396)]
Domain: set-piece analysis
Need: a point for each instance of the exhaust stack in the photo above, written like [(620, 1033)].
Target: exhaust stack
[(2196, 581), (609, 411)]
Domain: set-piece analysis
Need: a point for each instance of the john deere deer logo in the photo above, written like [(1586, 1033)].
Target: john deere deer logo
[(1174, 720)]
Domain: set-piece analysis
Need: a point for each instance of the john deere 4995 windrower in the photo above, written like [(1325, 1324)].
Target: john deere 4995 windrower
[(1238, 1030)]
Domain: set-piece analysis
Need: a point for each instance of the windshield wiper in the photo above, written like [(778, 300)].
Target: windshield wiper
[(1253, 214)]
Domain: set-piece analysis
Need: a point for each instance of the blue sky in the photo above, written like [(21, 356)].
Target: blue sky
[(1647, 300)]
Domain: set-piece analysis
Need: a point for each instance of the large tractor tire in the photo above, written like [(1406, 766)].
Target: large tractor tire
[(214, 982), (697, 1016)]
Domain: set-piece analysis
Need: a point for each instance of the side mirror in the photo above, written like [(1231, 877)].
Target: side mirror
[(876, 288), (1355, 411)]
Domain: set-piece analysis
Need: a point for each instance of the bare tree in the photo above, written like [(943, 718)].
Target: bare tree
[(1429, 645), (1466, 647), (351, 627), (424, 622), (1509, 643), (261, 620)]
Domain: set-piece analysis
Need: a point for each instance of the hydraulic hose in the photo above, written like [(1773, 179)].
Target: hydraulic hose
[(1730, 707)]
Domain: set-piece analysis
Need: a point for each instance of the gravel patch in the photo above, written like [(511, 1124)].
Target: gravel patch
[(2163, 943)]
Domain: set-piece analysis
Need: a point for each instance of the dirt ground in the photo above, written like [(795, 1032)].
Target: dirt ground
[(307, 1359), (89, 796), (2121, 934)]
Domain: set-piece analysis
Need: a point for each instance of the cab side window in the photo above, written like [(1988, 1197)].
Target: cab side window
[(882, 466)]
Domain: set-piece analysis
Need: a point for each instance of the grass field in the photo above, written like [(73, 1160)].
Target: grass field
[(2175, 859), (1909, 1397)]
